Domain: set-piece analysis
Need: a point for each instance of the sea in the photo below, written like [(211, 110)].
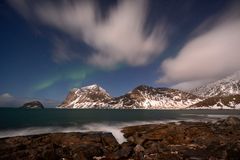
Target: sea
[(20, 122)]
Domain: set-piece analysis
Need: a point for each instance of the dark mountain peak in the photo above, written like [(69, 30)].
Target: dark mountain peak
[(165, 89), (143, 88), (152, 89)]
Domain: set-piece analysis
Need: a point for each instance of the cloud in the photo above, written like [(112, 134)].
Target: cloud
[(61, 51), (6, 100), (212, 54), (188, 85), (119, 37), (21, 7)]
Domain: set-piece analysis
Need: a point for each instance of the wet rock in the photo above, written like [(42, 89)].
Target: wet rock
[(233, 151), (57, 146), (188, 140), (152, 147), (130, 139), (232, 121), (138, 149), (123, 152), (109, 142)]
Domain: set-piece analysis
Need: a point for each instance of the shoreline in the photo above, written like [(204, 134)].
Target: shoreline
[(173, 140)]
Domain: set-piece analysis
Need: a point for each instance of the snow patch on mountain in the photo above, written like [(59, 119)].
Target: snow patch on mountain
[(224, 87), (224, 102), (92, 96)]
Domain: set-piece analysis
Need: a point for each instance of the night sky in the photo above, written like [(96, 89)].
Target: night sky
[(50, 47)]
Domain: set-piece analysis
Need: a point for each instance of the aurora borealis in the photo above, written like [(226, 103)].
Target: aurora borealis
[(73, 75)]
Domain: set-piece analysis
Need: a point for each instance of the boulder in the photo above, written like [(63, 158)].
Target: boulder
[(232, 121), (138, 148), (122, 152)]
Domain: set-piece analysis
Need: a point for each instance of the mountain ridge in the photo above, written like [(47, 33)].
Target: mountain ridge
[(141, 97), (229, 85), (221, 94)]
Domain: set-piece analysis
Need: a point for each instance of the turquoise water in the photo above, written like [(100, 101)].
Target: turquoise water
[(15, 121)]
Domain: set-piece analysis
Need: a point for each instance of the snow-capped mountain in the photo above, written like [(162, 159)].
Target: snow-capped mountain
[(91, 96), (145, 97), (224, 102), (224, 87), (221, 94), (142, 97)]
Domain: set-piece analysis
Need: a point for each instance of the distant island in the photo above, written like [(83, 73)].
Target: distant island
[(33, 105)]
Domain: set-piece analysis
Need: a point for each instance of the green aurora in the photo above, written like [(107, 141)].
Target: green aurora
[(77, 76)]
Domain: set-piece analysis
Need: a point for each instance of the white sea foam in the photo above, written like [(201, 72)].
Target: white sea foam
[(207, 116), (114, 128), (219, 116)]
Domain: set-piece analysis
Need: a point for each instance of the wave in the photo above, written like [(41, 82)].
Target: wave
[(114, 128)]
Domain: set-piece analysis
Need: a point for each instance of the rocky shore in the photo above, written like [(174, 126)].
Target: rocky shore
[(172, 141)]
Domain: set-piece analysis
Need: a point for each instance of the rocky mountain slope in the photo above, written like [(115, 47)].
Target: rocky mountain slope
[(224, 87), (142, 97), (86, 97), (145, 97), (221, 94), (223, 102)]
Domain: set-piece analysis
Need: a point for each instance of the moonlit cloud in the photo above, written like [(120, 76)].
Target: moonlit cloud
[(61, 51), (188, 85), (120, 37), (7, 99), (212, 54)]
